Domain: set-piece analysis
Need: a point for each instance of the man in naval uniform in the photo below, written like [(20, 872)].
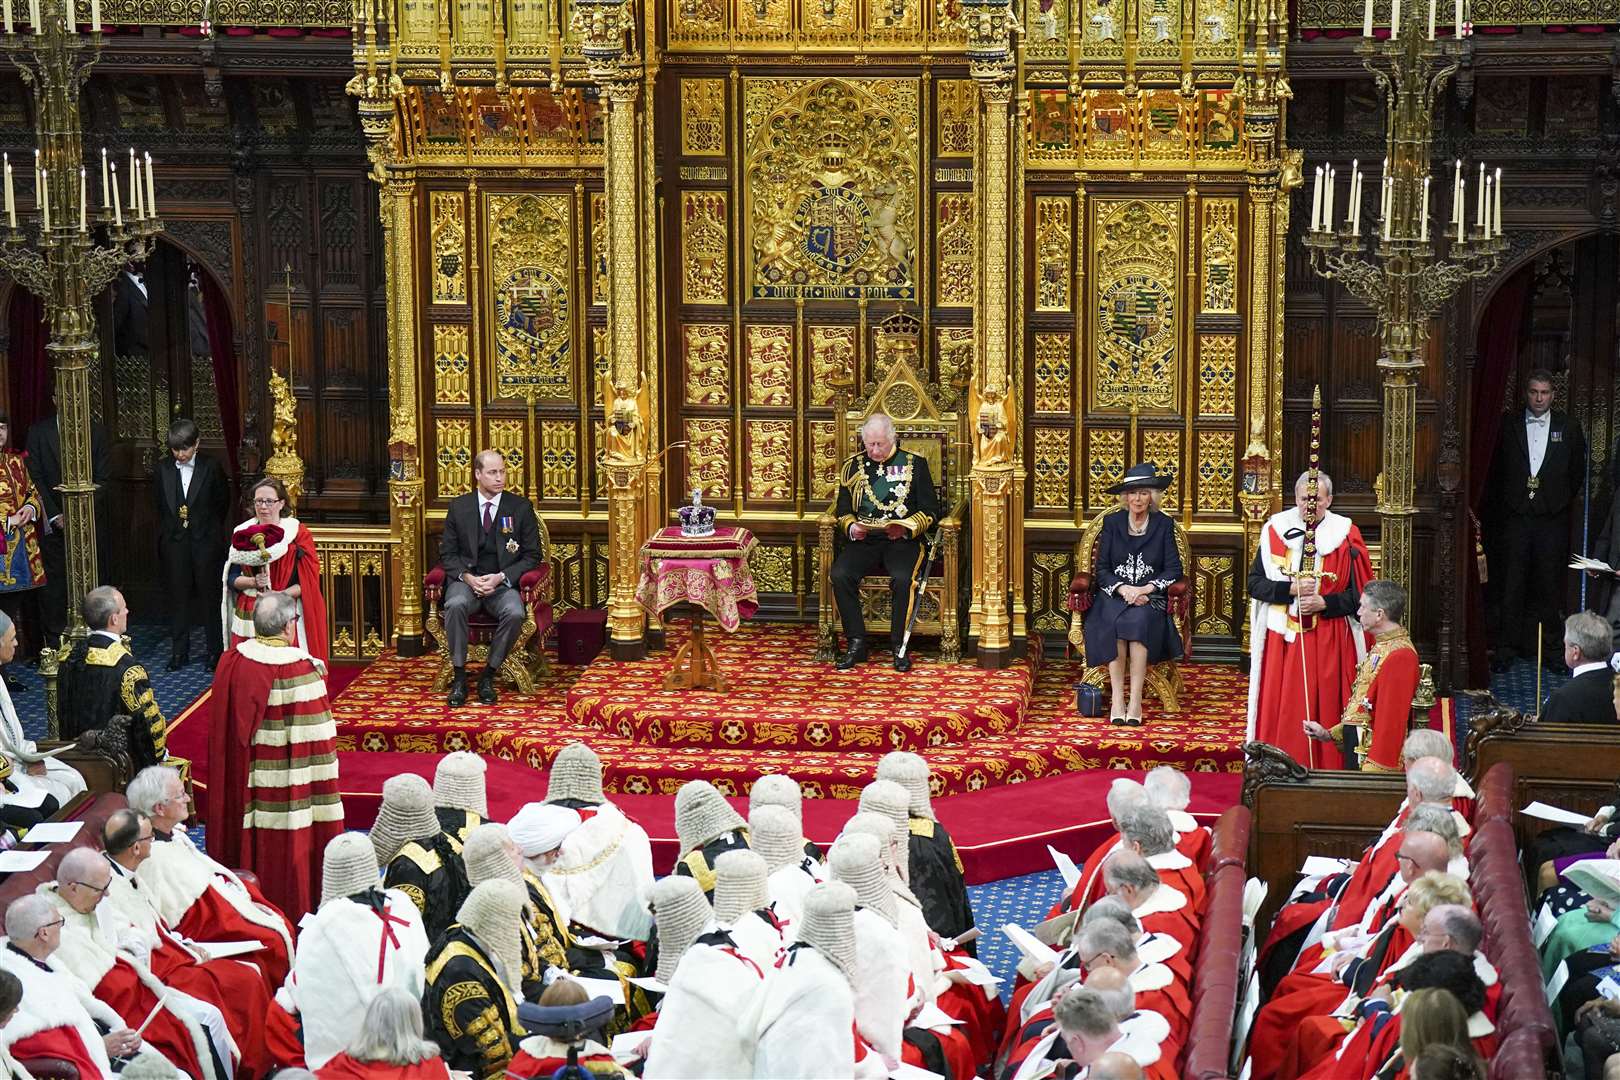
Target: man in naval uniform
[(886, 501), (100, 679)]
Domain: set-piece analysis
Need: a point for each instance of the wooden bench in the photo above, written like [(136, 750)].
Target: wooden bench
[(1217, 971)]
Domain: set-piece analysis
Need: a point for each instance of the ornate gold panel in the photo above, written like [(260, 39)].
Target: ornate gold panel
[(769, 460), (1110, 127), (1217, 264), (559, 459), (465, 125), (1053, 374), (824, 459), (772, 567), (474, 28), (1218, 125), (599, 351), (830, 171), (697, 22), (531, 266), (566, 572), (1050, 574), (704, 244), (1051, 138), (958, 117), (832, 360), (1051, 468), (1137, 328), (1163, 449), (1217, 375), (769, 353), (1046, 29), (528, 30), (1054, 237), (1214, 581), (451, 367), (829, 22), (1105, 466), (955, 354), (599, 272), (707, 348), (703, 117), (708, 457), (1169, 126), (452, 440), (507, 436), (448, 234), (953, 247), (1217, 456)]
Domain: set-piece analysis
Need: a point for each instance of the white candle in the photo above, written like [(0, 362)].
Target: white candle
[(11, 199), (1479, 199), (36, 170), (1355, 204), (1496, 227), (1327, 199), (1366, 19), (1316, 201), (8, 17), (1424, 236), (1431, 19), (83, 225), (151, 191), (33, 16), (132, 181), (45, 199), (1462, 209), (1457, 199), (72, 16), (136, 193), (1388, 198), (1457, 25), (106, 198), (118, 205), (1395, 20), (95, 16)]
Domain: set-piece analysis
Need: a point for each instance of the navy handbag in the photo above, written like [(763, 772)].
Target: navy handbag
[(1088, 699)]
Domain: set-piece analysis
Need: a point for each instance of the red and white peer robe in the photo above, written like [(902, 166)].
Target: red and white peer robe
[(603, 874), (205, 901), (273, 774), (705, 1028), (1295, 673), (350, 951), (178, 1031), (57, 1017), (805, 1019), (266, 1037)]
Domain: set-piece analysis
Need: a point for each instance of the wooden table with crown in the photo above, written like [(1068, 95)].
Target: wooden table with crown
[(706, 567)]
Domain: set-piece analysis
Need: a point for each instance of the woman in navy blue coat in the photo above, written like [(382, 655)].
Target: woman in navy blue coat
[(1129, 623)]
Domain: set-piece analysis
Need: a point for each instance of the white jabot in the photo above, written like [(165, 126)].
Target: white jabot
[(1535, 438)]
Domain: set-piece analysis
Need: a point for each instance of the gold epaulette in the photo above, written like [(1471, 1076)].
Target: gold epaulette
[(425, 859), (106, 655), (921, 826), (460, 948)]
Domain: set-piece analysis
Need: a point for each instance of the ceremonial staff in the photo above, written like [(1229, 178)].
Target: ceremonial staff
[(1310, 562)]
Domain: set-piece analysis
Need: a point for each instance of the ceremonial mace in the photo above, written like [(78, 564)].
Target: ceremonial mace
[(1310, 562)]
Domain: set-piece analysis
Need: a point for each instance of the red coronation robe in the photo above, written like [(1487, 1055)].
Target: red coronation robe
[(292, 560), (272, 769), (1297, 673), (1381, 700)]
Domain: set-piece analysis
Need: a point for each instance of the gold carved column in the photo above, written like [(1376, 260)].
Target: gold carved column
[(989, 25), (627, 388)]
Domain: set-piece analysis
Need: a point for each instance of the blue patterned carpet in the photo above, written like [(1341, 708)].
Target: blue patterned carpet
[(1022, 900)]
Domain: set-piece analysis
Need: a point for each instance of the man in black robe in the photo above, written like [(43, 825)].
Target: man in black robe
[(417, 855), (936, 868), (473, 981), (101, 679), (706, 827)]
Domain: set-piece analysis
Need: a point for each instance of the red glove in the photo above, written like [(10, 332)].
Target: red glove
[(896, 531)]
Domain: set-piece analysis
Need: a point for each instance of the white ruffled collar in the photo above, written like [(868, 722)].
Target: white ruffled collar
[(1165, 899), (1169, 860), (1151, 977)]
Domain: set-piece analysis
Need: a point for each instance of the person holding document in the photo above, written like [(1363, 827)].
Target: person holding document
[(32, 770)]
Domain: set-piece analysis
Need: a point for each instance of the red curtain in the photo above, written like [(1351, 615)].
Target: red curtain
[(224, 356), (30, 371), (1496, 358)]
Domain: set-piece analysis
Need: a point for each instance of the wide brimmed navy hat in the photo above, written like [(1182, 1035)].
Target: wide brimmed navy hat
[(1145, 475)]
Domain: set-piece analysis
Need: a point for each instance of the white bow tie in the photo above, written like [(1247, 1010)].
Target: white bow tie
[(1535, 419)]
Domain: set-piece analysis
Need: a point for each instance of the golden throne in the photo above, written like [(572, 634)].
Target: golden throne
[(1164, 678), (522, 668), (926, 422)]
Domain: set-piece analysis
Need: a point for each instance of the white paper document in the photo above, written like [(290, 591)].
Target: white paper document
[(934, 1018), (1552, 813), (221, 950), (1029, 944), (1066, 867), (626, 1046), (904, 1071), (608, 988), (1546, 923), (53, 832), (1556, 983), (18, 862), (1322, 866)]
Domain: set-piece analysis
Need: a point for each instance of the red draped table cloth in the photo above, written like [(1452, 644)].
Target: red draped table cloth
[(709, 572)]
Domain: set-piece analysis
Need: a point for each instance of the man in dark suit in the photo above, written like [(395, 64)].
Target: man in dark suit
[(130, 304), (44, 447), (1588, 697), (1537, 473), (491, 539), (193, 499)]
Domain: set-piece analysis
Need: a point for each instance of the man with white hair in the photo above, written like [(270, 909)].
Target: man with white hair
[(742, 906), (1588, 697), (362, 941), (886, 502), (603, 871), (1309, 609), (1123, 794), (272, 759), (775, 834), (1170, 790), (1158, 907), (474, 982), (101, 679), (778, 789), (58, 1016), (189, 1032), (1085, 1030), (30, 770), (199, 897)]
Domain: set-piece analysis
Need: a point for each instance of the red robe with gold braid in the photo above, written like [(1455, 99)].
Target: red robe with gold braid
[(1381, 700), (1297, 674), (273, 777), (292, 559)]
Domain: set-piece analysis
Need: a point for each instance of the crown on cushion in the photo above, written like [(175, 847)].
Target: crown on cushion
[(697, 519)]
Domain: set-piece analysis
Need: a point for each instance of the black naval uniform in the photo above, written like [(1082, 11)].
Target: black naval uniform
[(429, 871), (876, 494), (100, 679), (469, 1011)]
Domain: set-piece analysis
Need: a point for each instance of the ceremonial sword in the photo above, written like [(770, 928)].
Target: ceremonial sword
[(921, 586)]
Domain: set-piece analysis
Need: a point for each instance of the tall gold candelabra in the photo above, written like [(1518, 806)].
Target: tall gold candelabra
[(65, 254), (1396, 268)]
